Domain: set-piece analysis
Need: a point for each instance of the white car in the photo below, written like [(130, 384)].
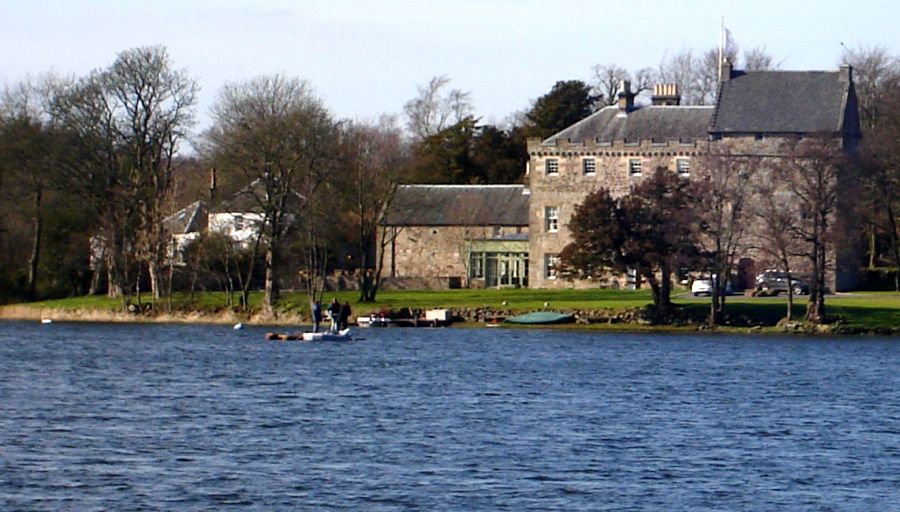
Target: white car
[(701, 287), (704, 287)]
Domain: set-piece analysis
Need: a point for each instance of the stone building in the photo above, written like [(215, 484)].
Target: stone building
[(613, 149), (476, 233), (757, 113), (452, 236)]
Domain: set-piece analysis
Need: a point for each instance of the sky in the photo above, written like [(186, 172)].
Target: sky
[(366, 58)]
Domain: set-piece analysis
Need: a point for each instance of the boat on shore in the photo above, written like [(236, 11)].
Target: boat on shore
[(541, 318), (431, 318)]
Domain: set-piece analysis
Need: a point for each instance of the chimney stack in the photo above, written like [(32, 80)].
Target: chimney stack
[(666, 94), (727, 70), (626, 97)]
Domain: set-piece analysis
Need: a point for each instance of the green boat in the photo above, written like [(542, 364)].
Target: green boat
[(541, 317)]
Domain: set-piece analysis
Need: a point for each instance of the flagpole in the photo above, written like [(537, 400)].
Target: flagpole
[(721, 44)]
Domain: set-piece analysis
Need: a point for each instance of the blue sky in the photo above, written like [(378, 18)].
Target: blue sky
[(365, 58)]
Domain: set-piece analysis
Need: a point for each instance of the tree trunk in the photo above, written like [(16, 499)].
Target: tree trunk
[(872, 248), (35, 247), (96, 278), (155, 279), (790, 302), (665, 292), (114, 282), (815, 309), (272, 291), (895, 245)]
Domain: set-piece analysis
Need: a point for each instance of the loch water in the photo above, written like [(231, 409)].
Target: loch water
[(172, 417)]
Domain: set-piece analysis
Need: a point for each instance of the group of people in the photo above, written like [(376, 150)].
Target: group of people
[(339, 314)]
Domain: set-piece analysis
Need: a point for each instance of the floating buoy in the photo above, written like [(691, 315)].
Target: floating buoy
[(46, 321), (238, 326)]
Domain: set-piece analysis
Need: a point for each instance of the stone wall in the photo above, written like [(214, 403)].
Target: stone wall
[(436, 251), (571, 185)]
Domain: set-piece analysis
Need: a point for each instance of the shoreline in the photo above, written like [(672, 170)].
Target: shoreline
[(19, 312)]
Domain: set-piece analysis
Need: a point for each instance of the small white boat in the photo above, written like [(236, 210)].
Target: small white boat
[(343, 335), (373, 321)]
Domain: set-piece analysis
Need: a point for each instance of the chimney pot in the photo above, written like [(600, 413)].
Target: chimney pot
[(666, 94)]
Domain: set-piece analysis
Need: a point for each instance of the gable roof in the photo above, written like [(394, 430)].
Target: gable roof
[(250, 200), (458, 205), (782, 102), (190, 219), (653, 123)]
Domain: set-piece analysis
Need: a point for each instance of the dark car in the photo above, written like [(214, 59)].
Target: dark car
[(773, 282)]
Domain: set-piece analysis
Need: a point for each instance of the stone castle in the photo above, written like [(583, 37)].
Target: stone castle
[(512, 235)]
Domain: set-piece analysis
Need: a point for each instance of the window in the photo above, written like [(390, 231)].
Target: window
[(683, 167), (634, 167), (551, 166), (589, 166), (551, 263), (476, 265), (551, 219)]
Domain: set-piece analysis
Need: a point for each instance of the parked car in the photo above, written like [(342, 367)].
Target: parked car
[(773, 282), (703, 286)]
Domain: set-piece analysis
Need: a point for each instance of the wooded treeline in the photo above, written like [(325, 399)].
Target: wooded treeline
[(90, 166)]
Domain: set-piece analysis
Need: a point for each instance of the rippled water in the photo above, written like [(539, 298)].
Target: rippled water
[(131, 417)]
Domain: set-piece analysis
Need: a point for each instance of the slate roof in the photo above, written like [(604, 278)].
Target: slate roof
[(458, 205), (190, 219), (782, 102), (247, 200), (653, 123)]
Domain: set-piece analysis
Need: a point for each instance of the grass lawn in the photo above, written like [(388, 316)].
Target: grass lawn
[(862, 309), (859, 309)]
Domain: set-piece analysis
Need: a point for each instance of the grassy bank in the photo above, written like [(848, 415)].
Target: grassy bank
[(864, 311)]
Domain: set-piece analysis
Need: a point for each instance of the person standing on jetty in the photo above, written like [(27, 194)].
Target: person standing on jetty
[(345, 317), (316, 315), (334, 309)]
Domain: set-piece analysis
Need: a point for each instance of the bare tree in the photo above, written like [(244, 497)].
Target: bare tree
[(879, 205), (723, 179), (873, 69), (28, 145), (607, 82), (776, 217), (277, 134), (125, 124), (697, 76), (607, 79), (153, 105), (376, 160), (876, 75), (681, 69), (434, 109), (759, 59), (811, 172)]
